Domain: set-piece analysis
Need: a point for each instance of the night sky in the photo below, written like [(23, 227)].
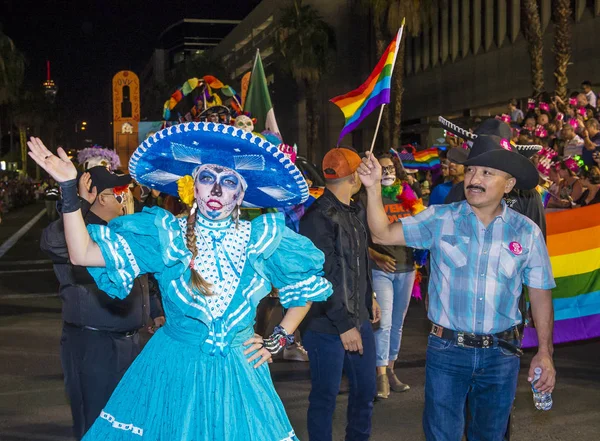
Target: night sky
[(87, 42)]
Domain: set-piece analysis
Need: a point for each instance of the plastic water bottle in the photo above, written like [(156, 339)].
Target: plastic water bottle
[(541, 400)]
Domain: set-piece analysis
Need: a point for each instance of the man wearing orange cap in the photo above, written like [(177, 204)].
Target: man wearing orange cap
[(338, 333)]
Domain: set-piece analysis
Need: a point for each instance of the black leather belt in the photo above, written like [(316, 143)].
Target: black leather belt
[(115, 333), (470, 340)]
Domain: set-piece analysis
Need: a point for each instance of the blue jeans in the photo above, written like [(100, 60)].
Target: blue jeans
[(485, 378), (393, 295), (328, 359)]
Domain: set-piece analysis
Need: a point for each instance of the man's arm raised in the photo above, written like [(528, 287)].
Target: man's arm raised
[(382, 231), (82, 249)]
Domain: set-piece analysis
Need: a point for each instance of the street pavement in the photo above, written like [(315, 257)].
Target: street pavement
[(33, 406)]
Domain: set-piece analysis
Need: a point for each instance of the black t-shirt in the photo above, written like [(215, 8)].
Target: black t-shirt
[(403, 255), (587, 155), (584, 195)]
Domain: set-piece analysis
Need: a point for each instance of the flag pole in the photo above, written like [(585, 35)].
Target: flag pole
[(377, 128), (398, 41)]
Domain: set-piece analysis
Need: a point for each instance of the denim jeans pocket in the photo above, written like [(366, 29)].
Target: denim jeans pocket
[(439, 344)]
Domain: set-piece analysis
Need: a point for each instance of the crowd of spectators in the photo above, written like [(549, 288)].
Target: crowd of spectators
[(16, 192), (568, 132)]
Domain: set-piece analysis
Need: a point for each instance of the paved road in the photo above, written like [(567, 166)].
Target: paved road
[(33, 405)]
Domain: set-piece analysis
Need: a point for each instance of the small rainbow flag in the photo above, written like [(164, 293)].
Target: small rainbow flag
[(544, 194), (359, 103), (422, 160), (574, 248)]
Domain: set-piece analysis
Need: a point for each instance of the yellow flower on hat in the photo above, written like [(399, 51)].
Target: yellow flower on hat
[(185, 189)]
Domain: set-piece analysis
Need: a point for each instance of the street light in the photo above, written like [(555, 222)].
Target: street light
[(82, 128)]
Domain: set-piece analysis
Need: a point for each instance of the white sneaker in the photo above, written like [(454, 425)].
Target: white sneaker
[(295, 352)]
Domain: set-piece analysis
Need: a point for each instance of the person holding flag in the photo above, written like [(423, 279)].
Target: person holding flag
[(338, 333)]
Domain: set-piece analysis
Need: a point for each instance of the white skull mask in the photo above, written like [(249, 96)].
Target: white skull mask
[(244, 123)]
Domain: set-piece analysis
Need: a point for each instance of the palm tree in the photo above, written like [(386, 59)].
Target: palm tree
[(387, 18), (12, 70), (532, 30), (415, 12), (563, 16), (378, 12), (28, 113), (306, 44)]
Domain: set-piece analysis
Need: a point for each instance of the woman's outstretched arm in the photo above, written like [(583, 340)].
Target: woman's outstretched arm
[(82, 249)]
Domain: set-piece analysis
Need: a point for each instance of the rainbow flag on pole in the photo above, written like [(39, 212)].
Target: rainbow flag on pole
[(359, 103), (574, 248)]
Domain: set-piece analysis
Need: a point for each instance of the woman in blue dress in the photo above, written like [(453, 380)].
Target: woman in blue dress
[(203, 375)]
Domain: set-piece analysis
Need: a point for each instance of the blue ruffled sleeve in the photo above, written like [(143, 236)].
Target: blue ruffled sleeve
[(146, 242), (288, 260)]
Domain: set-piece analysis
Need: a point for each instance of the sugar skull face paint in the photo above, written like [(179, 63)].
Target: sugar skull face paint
[(217, 190), (244, 123), (388, 175)]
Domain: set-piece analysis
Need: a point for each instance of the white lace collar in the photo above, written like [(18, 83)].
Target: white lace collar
[(221, 259)]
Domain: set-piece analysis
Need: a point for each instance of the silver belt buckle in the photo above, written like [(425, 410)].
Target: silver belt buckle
[(460, 339)]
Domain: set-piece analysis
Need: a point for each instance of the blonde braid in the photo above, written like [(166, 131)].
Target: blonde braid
[(196, 281)]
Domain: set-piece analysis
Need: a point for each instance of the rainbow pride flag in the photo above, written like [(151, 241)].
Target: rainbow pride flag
[(544, 194), (359, 103), (574, 248), (421, 160)]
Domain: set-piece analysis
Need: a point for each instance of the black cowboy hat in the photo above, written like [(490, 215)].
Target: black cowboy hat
[(494, 127), (102, 178), (488, 151)]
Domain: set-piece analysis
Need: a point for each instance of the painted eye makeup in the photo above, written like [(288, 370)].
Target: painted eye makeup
[(230, 181), (206, 178)]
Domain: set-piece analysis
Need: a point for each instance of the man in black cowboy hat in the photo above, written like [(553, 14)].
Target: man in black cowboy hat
[(526, 202), (482, 253)]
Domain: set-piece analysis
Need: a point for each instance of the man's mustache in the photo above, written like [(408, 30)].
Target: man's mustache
[(475, 187)]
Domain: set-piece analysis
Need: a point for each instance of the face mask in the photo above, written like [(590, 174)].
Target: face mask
[(388, 176), (244, 123), (218, 190)]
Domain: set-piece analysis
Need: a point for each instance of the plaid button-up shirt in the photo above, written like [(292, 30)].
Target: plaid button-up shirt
[(477, 273)]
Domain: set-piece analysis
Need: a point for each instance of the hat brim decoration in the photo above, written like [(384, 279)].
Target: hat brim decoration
[(456, 130), (487, 151), (172, 153), (218, 109), (456, 155)]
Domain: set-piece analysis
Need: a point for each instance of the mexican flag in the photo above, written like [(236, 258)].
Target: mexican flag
[(258, 101)]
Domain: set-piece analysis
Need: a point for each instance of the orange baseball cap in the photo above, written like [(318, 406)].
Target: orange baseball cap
[(340, 162)]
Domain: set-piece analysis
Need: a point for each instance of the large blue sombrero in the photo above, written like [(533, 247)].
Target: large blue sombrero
[(273, 180)]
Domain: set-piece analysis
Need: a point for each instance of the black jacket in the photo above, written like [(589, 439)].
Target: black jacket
[(83, 303), (341, 232)]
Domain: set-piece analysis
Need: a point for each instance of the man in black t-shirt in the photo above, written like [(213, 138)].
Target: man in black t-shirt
[(591, 141)]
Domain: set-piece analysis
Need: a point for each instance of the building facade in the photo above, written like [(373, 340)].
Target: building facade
[(469, 60)]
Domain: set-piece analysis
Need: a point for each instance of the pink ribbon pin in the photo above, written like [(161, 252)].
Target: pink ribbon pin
[(515, 248), (505, 144)]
